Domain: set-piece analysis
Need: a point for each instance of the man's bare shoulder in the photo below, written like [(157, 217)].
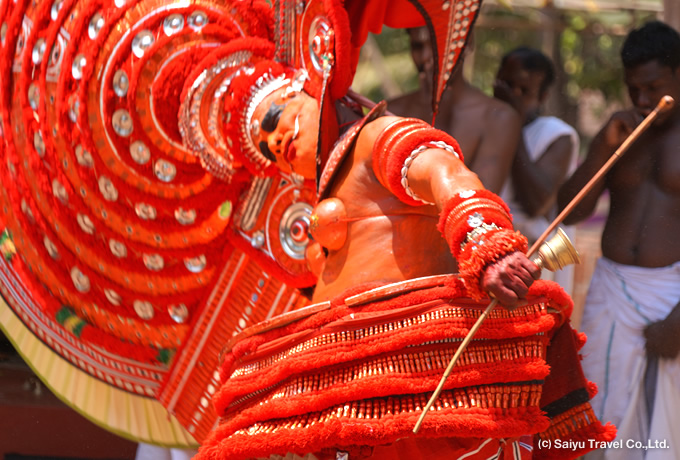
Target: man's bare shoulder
[(369, 134), (494, 109), (410, 105)]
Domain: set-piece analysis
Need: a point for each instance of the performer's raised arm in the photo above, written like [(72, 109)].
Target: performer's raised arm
[(423, 166)]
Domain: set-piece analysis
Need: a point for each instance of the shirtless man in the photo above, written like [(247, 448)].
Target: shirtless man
[(632, 310), (386, 239), (487, 129), (548, 154)]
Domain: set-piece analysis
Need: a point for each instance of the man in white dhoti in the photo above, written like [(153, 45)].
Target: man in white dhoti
[(632, 312), (622, 302), (547, 155)]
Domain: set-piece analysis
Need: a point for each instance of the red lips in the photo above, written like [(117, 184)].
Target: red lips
[(291, 152)]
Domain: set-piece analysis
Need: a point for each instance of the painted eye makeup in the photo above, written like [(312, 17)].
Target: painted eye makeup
[(271, 119)]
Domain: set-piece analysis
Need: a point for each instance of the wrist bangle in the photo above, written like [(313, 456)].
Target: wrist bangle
[(478, 229)]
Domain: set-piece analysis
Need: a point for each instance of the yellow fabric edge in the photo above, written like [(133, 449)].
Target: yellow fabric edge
[(174, 435)]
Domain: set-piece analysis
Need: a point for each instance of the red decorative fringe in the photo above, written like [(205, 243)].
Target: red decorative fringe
[(582, 437), (455, 232), (293, 415), (318, 357), (222, 445)]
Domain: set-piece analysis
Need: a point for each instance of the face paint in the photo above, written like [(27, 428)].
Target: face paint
[(288, 130), (271, 118)]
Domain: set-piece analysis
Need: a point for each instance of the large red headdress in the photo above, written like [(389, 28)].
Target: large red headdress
[(142, 227), (311, 40)]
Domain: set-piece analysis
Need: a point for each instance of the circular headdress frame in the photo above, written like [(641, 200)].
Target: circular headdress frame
[(315, 36), (247, 89), (239, 76)]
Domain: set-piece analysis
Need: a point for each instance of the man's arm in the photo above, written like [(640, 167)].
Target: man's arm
[(469, 214), (494, 156), (662, 337), (507, 273), (536, 183), (619, 126)]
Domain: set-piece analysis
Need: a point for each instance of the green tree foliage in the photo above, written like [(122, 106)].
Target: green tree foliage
[(585, 47)]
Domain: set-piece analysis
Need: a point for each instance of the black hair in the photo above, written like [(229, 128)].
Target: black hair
[(655, 40), (534, 61)]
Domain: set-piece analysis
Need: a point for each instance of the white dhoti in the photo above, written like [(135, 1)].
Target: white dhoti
[(622, 301), (538, 136)]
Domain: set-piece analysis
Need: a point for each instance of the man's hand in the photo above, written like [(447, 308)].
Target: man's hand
[(509, 278), (663, 340), (502, 91), (619, 127)]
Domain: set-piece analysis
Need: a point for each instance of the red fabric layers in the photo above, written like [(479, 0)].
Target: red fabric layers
[(360, 376), (565, 399)]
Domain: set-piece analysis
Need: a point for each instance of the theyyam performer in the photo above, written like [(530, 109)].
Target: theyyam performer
[(335, 255), (396, 214)]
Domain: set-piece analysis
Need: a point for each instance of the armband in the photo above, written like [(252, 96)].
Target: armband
[(398, 145), (477, 226)]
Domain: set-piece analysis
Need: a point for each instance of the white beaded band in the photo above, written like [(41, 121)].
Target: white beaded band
[(417, 151)]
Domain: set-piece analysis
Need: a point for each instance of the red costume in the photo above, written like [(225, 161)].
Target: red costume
[(151, 218)]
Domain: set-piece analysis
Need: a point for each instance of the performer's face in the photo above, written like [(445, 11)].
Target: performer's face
[(289, 126), (648, 83)]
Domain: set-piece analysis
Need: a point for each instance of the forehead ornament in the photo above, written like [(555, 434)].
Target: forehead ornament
[(263, 87)]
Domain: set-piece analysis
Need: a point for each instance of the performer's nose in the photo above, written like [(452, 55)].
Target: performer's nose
[(274, 142)]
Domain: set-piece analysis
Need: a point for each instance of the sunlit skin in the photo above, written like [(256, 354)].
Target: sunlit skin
[(643, 224), (387, 240), (487, 129)]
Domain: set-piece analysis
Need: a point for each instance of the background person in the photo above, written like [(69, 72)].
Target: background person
[(487, 129), (547, 154), (632, 314)]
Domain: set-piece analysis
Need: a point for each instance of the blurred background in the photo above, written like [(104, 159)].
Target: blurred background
[(583, 38)]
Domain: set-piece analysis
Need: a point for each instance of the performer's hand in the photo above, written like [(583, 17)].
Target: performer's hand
[(663, 340), (509, 278)]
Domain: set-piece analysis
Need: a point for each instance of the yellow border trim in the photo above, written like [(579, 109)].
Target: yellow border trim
[(133, 417)]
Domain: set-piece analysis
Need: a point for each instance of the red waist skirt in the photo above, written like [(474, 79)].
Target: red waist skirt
[(346, 377)]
